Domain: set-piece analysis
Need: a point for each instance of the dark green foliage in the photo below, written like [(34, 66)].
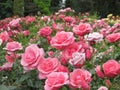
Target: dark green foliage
[(6, 8), (19, 7), (54, 5), (105, 7), (81, 5), (43, 6)]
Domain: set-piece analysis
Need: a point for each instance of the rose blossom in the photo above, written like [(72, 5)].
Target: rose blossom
[(95, 36), (68, 51), (14, 22), (56, 80), (26, 32), (82, 29), (80, 78), (45, 31), (78, 59), (113, 37), (13, 46), (99, 72), (4, 36), (31, 57), (48, 66), (62, 39), (111, 68), (102, 88)]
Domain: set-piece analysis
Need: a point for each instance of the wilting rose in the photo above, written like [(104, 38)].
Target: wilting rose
[(82, 29), (111, 68), (62, 39), (80, 78), (32, 57), (48, 66), (55, 80)]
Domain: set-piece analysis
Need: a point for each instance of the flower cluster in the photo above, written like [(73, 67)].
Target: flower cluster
[(66, 51)]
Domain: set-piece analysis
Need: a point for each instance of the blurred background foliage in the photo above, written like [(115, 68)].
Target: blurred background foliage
[(46, 7)]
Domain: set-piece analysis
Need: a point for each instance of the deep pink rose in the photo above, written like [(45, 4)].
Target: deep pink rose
[(13, 46), (99, 72), (80, 78), (56, 80), (45, 31), (48, 66), (82, 29), (69, 19), (62, 39), (113, 37), (32, 57), (111, 68)]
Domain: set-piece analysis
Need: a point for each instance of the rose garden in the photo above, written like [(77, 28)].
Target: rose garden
[(61, 51)]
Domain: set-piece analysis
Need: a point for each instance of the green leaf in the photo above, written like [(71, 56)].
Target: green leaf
[(3, 87)]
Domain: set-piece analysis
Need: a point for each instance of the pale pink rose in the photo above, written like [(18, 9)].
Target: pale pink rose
[(4, 36), (45, 18), (15, 22), (95, 36), (48, 66), (62, 11), (26, 32), (99, 72), (68, 51), (62, 39), (68, 9), (113, 37), (82, 29), (13, 46), (32, 57), (102, 88), (45, 31), (78, 59), (111, 68), (80, 78), (56, 80)]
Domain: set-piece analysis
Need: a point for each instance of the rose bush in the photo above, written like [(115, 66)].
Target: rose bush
[(59, 52)]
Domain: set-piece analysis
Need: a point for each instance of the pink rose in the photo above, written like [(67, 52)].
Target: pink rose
[(68, 51), (32, 57), (111, 68), (13, 46), (4, 36), (102, 88), (48, 66), (78, 59), (26, 32), (99, 72), (80, 78), (62, 39), (69, 19), (113, 37), (82, 29), (56, 80), (45, 31), (14, 23)]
